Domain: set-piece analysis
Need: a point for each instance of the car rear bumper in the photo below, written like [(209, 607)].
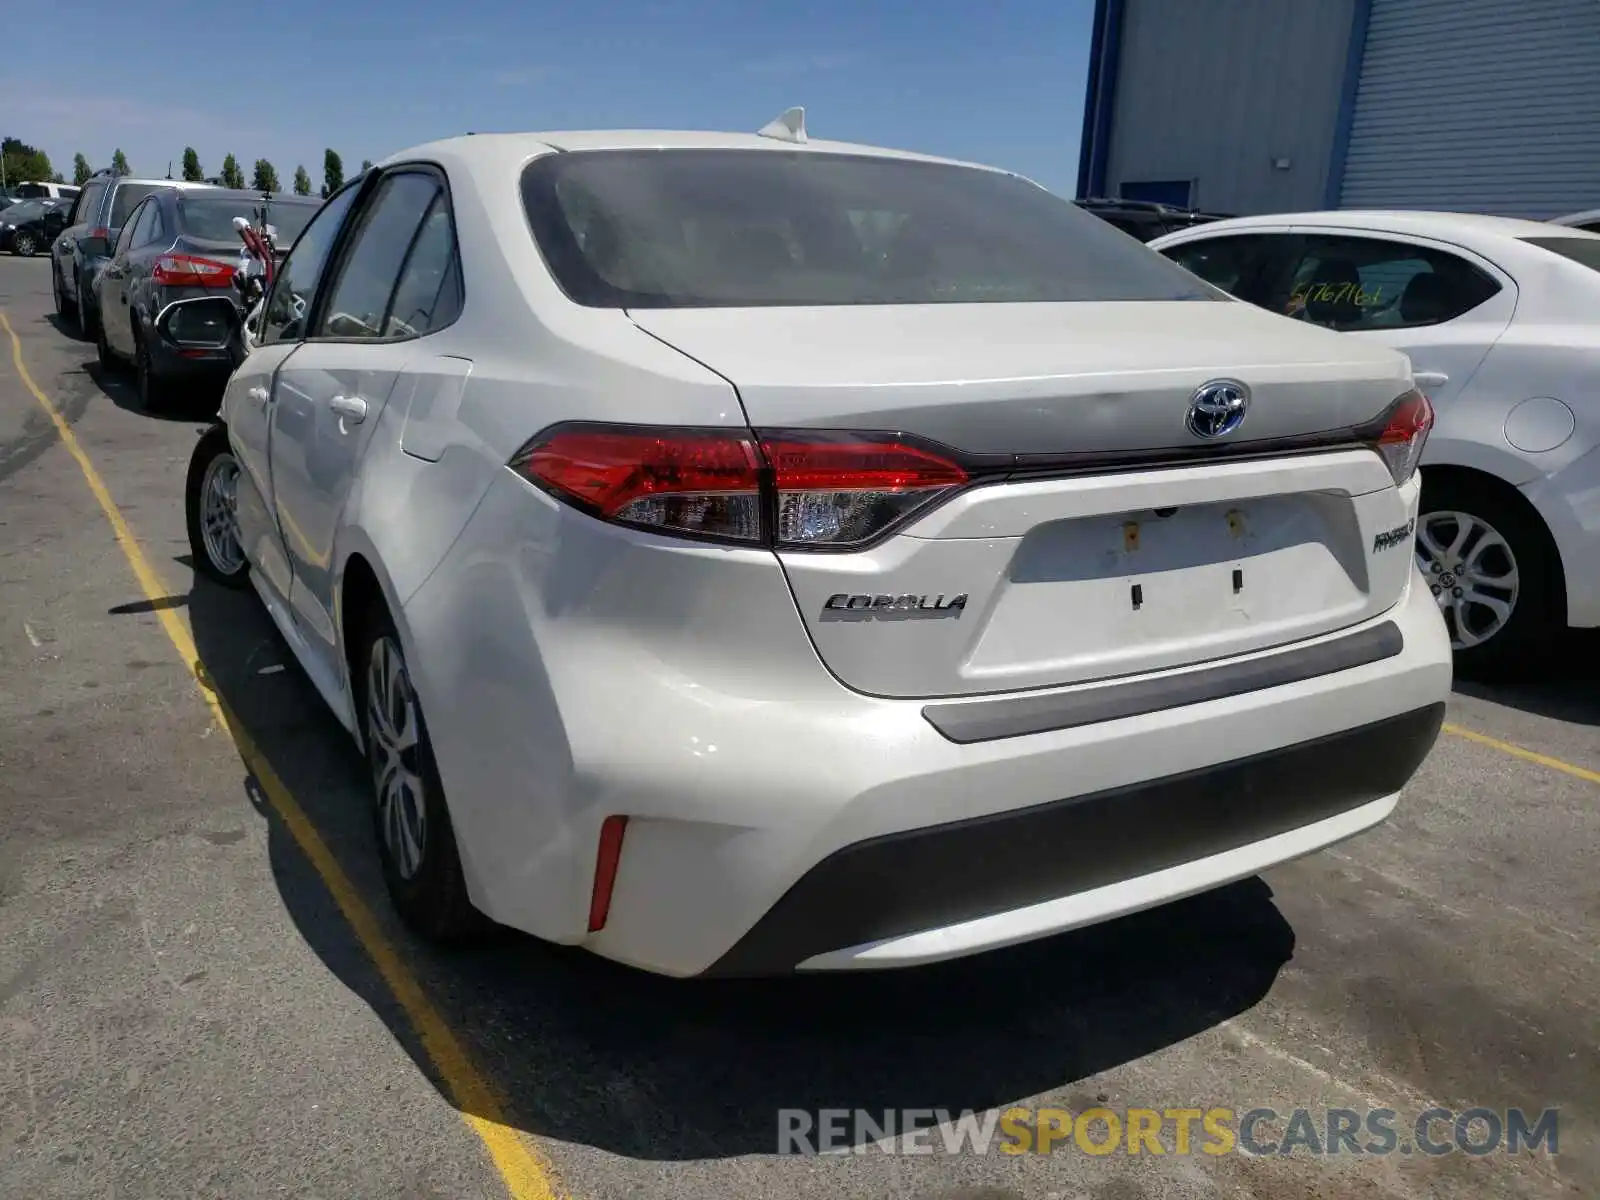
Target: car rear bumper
[(779, 820)]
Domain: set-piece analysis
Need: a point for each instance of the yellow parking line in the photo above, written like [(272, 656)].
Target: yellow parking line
[(1544, 760), (526, 1175)]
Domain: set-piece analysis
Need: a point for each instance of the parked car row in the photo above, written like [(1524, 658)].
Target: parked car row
[(131, 246)]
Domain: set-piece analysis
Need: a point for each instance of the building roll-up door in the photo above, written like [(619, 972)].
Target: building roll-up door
[(1477, 106)]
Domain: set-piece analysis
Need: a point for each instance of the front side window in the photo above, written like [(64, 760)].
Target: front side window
[(1354, 283), (296, 284), (725, 228), (358, 303)]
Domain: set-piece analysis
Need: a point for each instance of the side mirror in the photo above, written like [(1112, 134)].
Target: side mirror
[(203, 323)]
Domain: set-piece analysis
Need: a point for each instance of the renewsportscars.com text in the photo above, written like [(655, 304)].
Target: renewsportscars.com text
[(1177, 1131)]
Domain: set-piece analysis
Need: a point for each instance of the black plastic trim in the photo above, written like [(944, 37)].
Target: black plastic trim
[(967, 721), (901, 883)]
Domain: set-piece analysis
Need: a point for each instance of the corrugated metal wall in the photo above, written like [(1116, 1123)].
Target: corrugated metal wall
[(1478, 106), (1215, 90)]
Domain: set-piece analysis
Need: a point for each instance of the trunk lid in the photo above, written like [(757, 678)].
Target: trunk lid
[(1068, 577)]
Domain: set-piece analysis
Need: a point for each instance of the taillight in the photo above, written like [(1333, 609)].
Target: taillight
[(1404, 433), (185, 270), (101, 232), (792, 489), (838, 490)]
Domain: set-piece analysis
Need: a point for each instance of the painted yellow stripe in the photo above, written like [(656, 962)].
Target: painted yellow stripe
[(1544, 760), (526, 1175)]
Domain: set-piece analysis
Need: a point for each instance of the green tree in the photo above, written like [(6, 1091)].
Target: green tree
[(58, 177), (366, 165), (231, 175), (119, 162), (332, 172), (23, 162), (80, 170), (265, 178), (302, 182), (191, 166)]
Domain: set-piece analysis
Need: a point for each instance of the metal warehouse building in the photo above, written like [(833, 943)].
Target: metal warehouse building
[(1251, 106)]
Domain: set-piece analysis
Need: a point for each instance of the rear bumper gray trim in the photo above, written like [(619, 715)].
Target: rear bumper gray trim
[(968, 721)]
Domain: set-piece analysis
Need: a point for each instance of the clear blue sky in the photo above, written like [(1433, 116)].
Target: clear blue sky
[(999, 81)]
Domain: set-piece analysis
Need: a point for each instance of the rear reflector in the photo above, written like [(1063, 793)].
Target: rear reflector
[(1404, 434), (605, 871), (186, 270), (794, 489)]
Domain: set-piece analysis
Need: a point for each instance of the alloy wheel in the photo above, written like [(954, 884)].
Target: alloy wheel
[(24, 245), (393, 729), (219, 514), (1472, 572)]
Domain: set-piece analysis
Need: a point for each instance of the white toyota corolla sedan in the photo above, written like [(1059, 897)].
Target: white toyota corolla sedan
[(741, 553), (1501, 320)]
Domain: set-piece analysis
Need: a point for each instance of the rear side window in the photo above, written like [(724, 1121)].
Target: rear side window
[(428, 296), (1358, 282), (88, 205), (1585, 251), (1232, 263), (127, 196), (730, 228), (388, 228)]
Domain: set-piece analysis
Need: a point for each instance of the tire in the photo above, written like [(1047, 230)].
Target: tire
[(208, 467), (152, 389), (66, 309), (109, 362), (88, 319), (421, 865), (24, 245), (1469, 525)]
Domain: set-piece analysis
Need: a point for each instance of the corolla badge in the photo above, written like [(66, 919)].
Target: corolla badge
[(1218, 408)]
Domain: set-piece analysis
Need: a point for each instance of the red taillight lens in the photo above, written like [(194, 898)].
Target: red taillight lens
[(823, 490), (185, 270), (706, 483), (1404, 434), (838, 490), (99, 231)]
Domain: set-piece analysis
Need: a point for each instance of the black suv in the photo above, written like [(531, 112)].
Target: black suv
[(1145, 219), (85, 245)]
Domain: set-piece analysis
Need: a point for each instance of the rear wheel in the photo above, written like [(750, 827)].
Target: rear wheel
[(88, 319), (102, 349), (1493, 569), (211, 507), (152, 387), (66, 309), (416, 841)]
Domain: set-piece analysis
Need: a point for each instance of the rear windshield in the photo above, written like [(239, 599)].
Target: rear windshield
[(126, 200), (734, 228), (27, 210), (210, 218), (1584, 250)]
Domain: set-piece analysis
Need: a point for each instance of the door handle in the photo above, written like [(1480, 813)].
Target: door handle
[(349, 408), (258, 394), (1430, 378)]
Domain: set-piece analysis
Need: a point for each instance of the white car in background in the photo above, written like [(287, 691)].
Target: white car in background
[(1501, 321), (1588, 220), (740, 553)]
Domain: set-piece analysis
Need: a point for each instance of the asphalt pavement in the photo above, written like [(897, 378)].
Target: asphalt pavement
[(203, 993)]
